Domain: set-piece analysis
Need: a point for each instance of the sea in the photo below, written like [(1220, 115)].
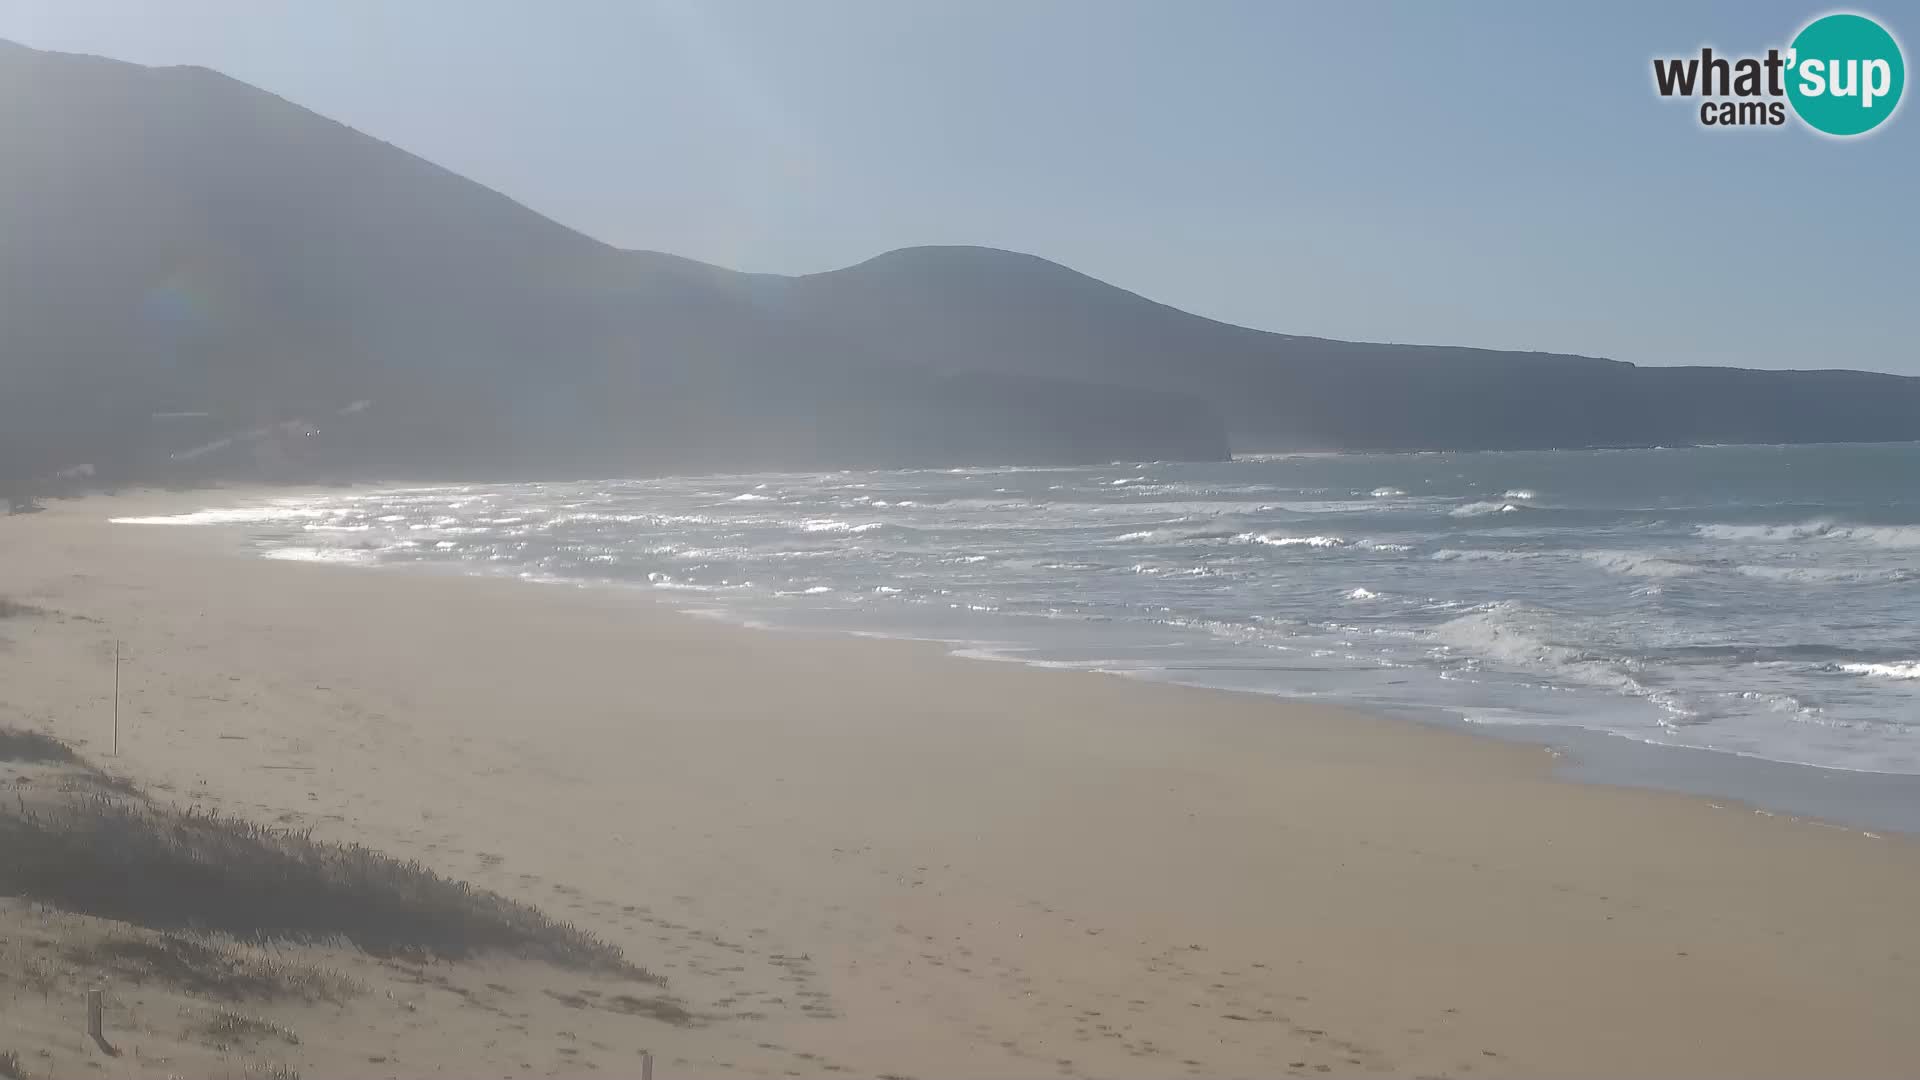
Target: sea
[(1759, 601)]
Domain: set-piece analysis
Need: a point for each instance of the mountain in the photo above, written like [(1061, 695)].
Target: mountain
[(199, 277), (958, 309), (284, 292)]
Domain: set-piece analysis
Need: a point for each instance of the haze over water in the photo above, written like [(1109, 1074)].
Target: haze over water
[(1758, 600)]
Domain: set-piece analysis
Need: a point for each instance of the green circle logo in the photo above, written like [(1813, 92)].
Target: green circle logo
[(1845, 74)]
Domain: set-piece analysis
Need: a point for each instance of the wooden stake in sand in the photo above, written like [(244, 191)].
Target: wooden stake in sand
[(646, 1065), (116, 697), (93, 1015)]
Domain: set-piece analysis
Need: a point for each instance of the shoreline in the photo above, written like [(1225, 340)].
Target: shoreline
[(988, 865), (1866, 799)]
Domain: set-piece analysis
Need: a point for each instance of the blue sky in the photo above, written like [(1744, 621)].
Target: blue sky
[(1495, 174)]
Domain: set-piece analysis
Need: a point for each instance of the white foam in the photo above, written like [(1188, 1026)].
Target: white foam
[(671, 583), (1519, 493), (750, 497), (1480, 509), (1387, 493), (1171, 571), (1363, 593), (342, 556), (1514, 637), (241, 515), (1178, 532), (1271, 540), (589, 517), (1884, 671)]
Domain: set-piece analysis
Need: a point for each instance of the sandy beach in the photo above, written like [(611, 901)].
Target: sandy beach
[(868, 858)]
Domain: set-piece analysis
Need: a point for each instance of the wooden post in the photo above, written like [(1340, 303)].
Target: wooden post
[(93, 1015), (116, 697), (646, 1065)]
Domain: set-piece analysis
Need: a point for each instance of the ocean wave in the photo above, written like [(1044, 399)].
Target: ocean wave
[(1805, 653), (593, 518), (1501, 630), (1173, 533), (1521, 639), (1227, 630), (751, 497), (1324, 506), (1481, 509), (1522, 494), (1270, 540), (1171, 571), (1883, 671), (1636, 565), (1174, 511), (1891, 536), (829, 525), (1387, 493), (1827, 575), (1363, 593), (1477, 555)]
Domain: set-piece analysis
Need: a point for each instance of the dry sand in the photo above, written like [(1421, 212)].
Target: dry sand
[(868, 858)]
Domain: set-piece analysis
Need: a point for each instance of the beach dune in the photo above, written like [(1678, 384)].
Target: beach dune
[(870, 858)]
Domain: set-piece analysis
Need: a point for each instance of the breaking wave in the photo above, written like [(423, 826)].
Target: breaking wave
[(1883, 671), (1890, 536), (1481, 509), (1635, 564), (1271, 540)]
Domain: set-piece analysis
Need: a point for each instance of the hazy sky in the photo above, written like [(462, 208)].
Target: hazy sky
[(1470, 173)]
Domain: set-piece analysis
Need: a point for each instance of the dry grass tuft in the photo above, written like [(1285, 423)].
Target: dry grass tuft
[(207, 966), (226, 1027), (665, 1010), (197, 870), (19, 744), (38, 976)]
